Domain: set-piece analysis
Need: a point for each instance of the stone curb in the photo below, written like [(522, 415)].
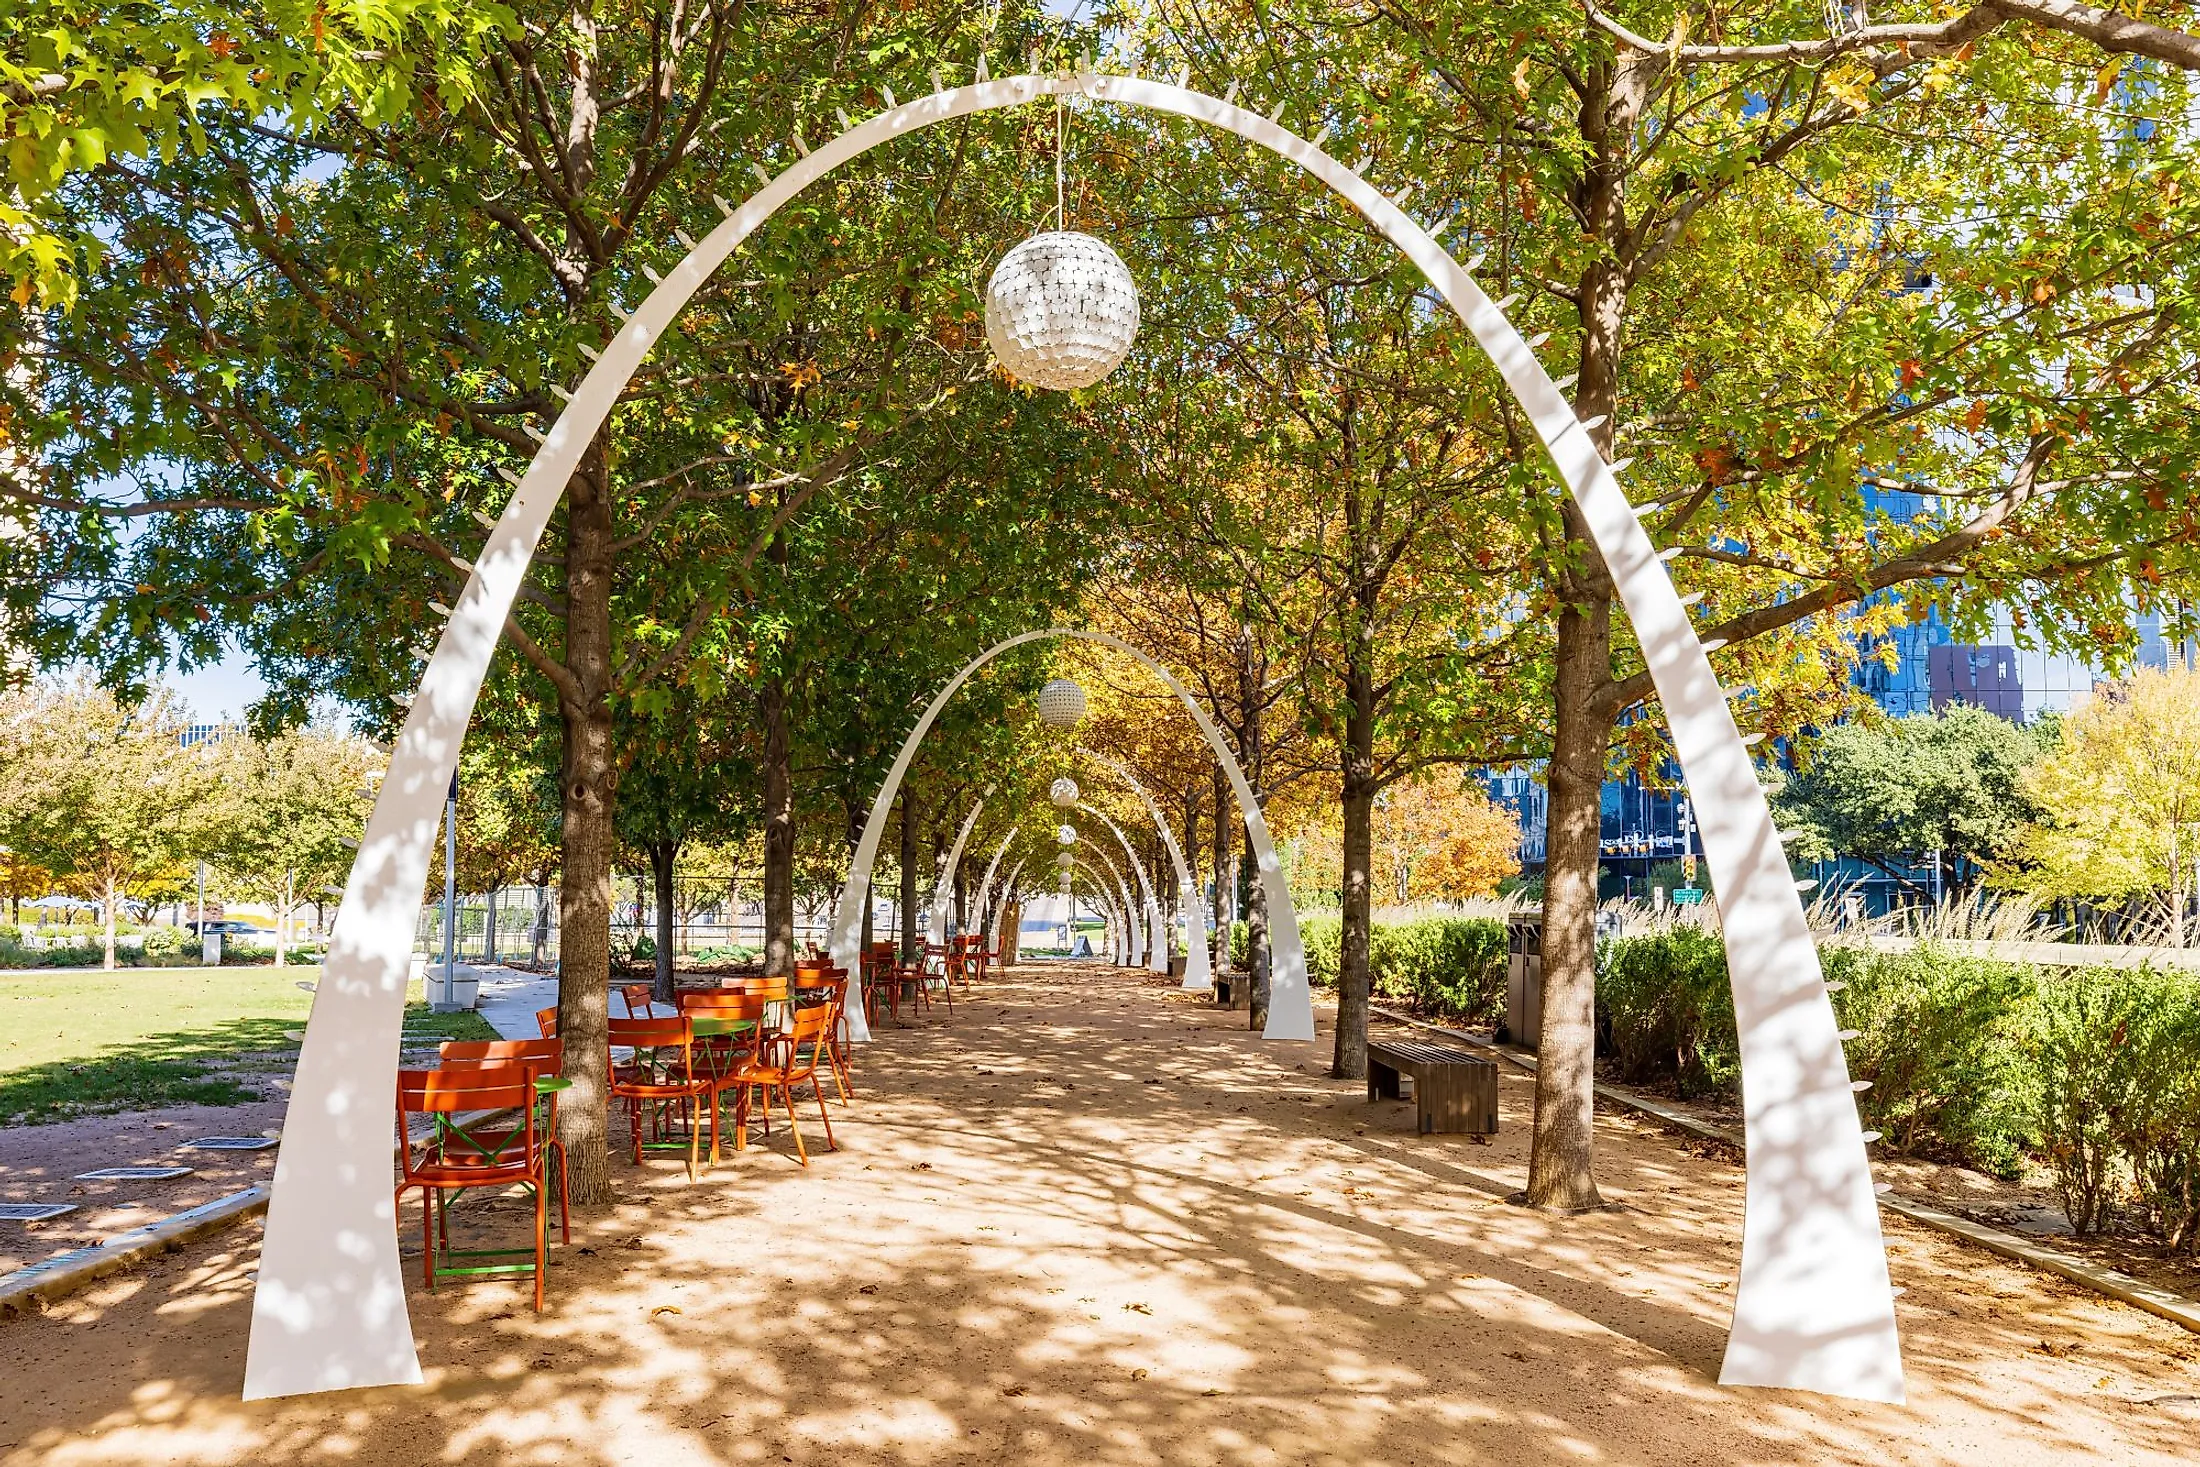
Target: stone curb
[(27, 1289), (2121, 1287)]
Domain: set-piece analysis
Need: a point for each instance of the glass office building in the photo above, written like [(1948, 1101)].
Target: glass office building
[(1644, 828)]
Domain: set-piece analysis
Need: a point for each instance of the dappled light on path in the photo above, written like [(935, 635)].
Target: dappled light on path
[(1089, 1219)]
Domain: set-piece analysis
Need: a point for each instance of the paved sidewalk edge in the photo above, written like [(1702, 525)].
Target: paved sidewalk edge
[(26, 1289), (2121, 1287)]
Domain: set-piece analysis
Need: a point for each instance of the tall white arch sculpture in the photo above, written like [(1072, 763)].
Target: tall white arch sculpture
[(1198, 974), (985, 883), (1813, 1308), (1001, 902), (1126, 937), (943, 890), (1107, 898), (1155, 956), (1290, 1001)]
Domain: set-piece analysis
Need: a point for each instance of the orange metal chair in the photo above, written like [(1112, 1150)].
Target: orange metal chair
[(944, 974), (659, 1078), (881, 981), (547, 1021), (830, 986), (792, 1061), (640, 1000), (543, 1059), (453, 1154)]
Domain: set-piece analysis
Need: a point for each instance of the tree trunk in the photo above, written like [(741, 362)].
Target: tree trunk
[(1562, 1155), (588, 799), (489, 929), (664, 856), (912, 940), (1257, 966), (108, 900), (1225, 876), (541, 933), (1353, 972), (855, 838), (779, 830)]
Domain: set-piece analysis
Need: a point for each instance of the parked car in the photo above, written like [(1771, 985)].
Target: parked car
[(229, 928)]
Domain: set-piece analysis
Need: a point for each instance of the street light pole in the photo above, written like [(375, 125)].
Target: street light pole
[(450, 894)]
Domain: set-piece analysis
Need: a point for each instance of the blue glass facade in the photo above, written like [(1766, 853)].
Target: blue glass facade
[(1641, 828)]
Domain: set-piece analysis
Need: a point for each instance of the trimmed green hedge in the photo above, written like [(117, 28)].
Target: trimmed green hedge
[(1445, 967), (2094, 1071), (1666, 1011)]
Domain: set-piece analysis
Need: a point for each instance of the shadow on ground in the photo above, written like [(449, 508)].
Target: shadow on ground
[(1086, 1220)]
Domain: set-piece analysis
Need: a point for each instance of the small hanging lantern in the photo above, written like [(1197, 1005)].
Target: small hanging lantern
[(1061, 310), (1066, 861), (1063, 792), (1067, 835), (1061, 703)]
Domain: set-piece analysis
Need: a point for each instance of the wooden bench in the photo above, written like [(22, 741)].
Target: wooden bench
[(1454, 1090)]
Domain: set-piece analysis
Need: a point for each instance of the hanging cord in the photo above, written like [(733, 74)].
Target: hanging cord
[(1061, 214)]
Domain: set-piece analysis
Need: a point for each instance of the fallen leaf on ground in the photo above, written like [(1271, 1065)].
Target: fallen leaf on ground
[(1140, 1374), (868, 1289), (664, 1309), (1014, 1391)]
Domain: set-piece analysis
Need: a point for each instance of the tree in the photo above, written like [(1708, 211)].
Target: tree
[(2119, 800), (296, 805), (1441, 839), (309, 343), (105, 795), (1888, 792)]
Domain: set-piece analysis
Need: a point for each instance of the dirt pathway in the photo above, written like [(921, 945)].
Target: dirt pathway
[(1087, 1220)]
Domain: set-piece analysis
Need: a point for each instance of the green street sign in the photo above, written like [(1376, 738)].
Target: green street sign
[(1687, 896)]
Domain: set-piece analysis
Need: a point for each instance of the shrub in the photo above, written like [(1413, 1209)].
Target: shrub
[(163, 944), (1451, 967), (2085, 1082), (1936, 1037), (2159, 1131), (1667, 1010), (1324, 940)]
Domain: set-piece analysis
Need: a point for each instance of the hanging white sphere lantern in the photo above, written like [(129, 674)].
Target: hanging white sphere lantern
[(1066, 861), (1061, 704), (1061, 310), (1063, 792), (1067, 835)]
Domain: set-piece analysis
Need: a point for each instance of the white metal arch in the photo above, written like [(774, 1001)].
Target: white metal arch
[(985, 883), (1290, 999), (1006, 894), (1813, 1308), (943, 887), (1156, 943), (1133, 940), (1198, 975), (1110, 903)]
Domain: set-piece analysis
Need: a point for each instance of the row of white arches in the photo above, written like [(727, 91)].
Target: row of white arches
[(1813, 1306)]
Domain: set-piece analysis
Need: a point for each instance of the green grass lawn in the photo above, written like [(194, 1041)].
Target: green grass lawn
[(76, 1042)]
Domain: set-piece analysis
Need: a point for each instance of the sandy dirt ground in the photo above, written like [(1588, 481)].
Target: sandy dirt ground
[(42, 1163), (1087, 1220)]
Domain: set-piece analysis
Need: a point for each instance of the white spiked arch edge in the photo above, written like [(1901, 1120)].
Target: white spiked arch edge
[(1198, 975), (1813, 1309)]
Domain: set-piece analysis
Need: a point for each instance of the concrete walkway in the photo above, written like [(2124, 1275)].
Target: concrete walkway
[(510, 999)]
